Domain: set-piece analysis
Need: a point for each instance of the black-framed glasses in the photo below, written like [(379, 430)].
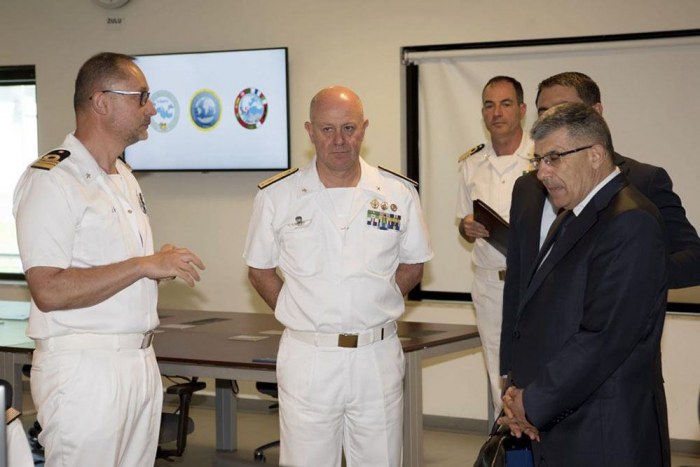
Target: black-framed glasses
[(143, 95), (552, 157)]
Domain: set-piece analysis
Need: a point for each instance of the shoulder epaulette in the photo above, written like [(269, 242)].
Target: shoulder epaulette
[(277, 178), (471, 152), (412, 182), (11, 415), (50, 160)]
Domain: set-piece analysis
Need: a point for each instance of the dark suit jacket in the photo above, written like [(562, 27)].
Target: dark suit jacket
[(653, 182), (682, 238), (682, 242), (586, 334)]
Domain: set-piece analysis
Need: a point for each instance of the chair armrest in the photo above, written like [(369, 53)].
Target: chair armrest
[(186, 388)]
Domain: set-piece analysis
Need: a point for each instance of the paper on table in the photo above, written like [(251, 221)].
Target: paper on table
[(248, 338), (176, 326)]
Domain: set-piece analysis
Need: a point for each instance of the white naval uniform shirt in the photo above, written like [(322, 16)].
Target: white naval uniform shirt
[(74, 216), (491, 178), (339, 272)]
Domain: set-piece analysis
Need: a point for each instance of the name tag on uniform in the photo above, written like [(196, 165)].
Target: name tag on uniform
[(383, 220)]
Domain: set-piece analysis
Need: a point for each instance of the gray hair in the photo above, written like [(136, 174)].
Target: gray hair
[(581, 121)]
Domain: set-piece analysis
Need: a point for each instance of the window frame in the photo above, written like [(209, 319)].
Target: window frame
[(17, 75)]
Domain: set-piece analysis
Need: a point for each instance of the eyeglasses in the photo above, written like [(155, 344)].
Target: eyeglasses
[(143, 95), (552, 157)]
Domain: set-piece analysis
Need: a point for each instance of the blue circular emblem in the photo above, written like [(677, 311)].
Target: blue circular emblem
[(168, 111), (205, 109)]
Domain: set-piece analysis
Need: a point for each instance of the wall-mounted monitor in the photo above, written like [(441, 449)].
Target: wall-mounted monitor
[(216, 111)]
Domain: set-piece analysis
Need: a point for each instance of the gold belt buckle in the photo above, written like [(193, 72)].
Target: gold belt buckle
[(347, 340), (502, 275)]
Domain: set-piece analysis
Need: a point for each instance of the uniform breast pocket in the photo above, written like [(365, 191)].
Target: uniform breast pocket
[(99, 238), (301, 249), (381, 250)]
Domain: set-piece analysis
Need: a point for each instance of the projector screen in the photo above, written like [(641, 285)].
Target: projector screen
[(649, 94), (216, 111)]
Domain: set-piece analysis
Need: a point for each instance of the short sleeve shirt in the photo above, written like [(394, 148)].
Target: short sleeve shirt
[(490, 178), (73, 215), (339, 272)]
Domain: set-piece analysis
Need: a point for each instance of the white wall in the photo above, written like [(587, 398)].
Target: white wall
[(330, 42)]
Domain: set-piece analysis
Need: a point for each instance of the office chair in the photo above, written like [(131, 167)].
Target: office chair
[(269, 389), (177, 425), (173, 426)]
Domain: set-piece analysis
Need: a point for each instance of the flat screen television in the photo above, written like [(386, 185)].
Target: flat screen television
[(216, 111)]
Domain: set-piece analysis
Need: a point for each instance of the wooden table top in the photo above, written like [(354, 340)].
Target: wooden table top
[(208, 341), (203, 337)]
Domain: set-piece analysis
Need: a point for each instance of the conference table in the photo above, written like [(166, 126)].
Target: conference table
[(229, 346)]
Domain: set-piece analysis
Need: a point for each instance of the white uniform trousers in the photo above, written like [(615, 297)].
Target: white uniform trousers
[(19, 454), (98, 407), (487, 295), (336, 399)]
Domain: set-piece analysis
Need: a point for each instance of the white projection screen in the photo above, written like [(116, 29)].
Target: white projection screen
[(650, 85)]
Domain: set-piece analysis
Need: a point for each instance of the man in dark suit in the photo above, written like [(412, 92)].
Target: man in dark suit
[(532, 213), (654, 183), (584, 346)]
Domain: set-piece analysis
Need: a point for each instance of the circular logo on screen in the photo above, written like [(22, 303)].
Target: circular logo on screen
[(167, 111), (205, 109), (251, 108)]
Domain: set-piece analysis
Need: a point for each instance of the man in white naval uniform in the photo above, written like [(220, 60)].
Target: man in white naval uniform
[(350, 241), (488, 173), (87, 251)]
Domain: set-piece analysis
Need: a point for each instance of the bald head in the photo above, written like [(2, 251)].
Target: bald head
[(335, 97), (336, 129)]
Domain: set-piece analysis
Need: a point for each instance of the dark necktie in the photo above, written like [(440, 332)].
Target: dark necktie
[(561, 220), (555, 231)]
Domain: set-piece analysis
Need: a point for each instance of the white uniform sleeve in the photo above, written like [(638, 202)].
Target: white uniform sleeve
[(261, 247), (415, 240), (465, 205), (45, 223)]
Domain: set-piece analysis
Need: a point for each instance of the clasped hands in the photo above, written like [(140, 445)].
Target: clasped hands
[(514, 417)]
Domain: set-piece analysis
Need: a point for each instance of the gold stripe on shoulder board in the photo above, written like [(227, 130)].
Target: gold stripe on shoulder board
[(50, 160), (471, 152), (412, 182), (277, 178)]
